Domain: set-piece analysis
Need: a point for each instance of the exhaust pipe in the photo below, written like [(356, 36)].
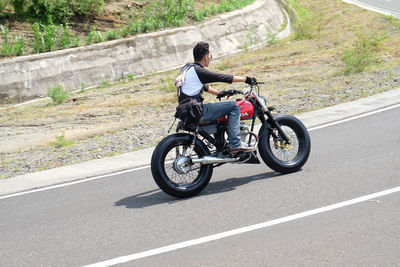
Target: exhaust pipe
[(211, 160)]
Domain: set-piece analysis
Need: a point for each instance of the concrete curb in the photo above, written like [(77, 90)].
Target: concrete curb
[(142, 158)]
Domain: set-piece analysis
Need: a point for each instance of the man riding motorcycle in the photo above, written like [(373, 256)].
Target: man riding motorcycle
[(196, 82)]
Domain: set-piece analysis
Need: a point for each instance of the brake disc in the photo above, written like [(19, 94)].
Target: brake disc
[(287, 146)]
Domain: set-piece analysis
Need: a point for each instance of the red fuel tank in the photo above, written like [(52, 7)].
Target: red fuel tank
[(246, 110)]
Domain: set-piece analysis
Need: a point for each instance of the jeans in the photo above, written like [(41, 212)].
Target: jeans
[(213, 111)]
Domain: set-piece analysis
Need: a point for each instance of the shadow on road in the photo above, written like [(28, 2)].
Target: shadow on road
[(156, 196)]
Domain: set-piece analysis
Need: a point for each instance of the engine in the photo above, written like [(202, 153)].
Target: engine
[(244, 131)]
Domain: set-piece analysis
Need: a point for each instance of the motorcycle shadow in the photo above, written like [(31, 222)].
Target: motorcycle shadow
[(157, 197)]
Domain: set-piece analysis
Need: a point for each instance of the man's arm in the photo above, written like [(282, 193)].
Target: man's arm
[(206, 76), (212, 91), (237, 79)]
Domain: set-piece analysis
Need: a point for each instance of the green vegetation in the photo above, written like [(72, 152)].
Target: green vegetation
[(364, 53), (224, 6), (112, 35), (168, 84), (271, 39), (50, 19), (94, 37), (59, 11), (105, 83), (130, 77), (62, 142), (306, 26), (250, 40), (395, 22), (58, 94), (51, 37), (17, 48), (3, 4), (172, 13), (301, 12)]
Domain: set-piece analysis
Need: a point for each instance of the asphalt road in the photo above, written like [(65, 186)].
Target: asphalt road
[(390, 6), (121, 215)]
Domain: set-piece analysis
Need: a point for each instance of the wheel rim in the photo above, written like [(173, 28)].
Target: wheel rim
[(280, 149), (180, 172)]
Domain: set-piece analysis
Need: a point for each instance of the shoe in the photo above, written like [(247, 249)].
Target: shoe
[(242, 148)]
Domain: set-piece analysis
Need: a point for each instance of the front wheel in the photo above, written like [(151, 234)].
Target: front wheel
[(173, 170), (281, 156)]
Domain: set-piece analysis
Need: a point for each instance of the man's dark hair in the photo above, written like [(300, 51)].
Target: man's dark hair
[(200, 50)]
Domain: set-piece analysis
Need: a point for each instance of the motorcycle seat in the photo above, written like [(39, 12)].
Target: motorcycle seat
[(192, 126), (205, 122)]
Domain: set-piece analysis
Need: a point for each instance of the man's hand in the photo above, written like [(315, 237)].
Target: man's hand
[(228, 93), (222, 94), (251, 80)]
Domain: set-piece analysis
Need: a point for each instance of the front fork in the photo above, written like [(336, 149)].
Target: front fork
[(275, 124)]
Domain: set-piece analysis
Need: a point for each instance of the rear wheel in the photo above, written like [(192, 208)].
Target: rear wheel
[(172, 168), (281, 156)]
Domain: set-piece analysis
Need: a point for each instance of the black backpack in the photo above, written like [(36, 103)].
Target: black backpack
[(190, 110)]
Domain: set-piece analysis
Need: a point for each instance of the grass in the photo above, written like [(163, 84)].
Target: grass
[(250, 40), (6, 49), (105, 83), (306, 25), (173, 13), (365, 52), (94, 37), (130, 77), (16, 48), (60, 11), (168, 84), (50, 37), (300, 10), (62, 142), (58, 94)]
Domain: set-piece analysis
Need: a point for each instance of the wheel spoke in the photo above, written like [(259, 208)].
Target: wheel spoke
[(283, 151)]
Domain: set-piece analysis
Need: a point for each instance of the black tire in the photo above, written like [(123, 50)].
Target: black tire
[(166, 173), (279, 156)]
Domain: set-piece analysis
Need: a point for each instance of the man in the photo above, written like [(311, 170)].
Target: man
[(196, 82)]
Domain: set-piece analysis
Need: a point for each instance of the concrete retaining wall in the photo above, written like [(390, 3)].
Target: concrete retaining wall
[(30, 76)]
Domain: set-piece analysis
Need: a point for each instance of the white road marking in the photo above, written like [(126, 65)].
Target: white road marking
[(206, 239), (354, 117), (72, 183), (148, 166)]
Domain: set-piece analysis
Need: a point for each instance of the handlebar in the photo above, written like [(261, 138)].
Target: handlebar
[(235, 92), (229, 93), (232, 92)]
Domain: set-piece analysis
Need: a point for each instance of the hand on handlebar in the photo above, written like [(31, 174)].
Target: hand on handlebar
[(222, 94), (251, 80), (228, 93)]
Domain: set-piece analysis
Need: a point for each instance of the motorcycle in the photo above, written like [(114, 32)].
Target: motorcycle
[(182, 163)]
